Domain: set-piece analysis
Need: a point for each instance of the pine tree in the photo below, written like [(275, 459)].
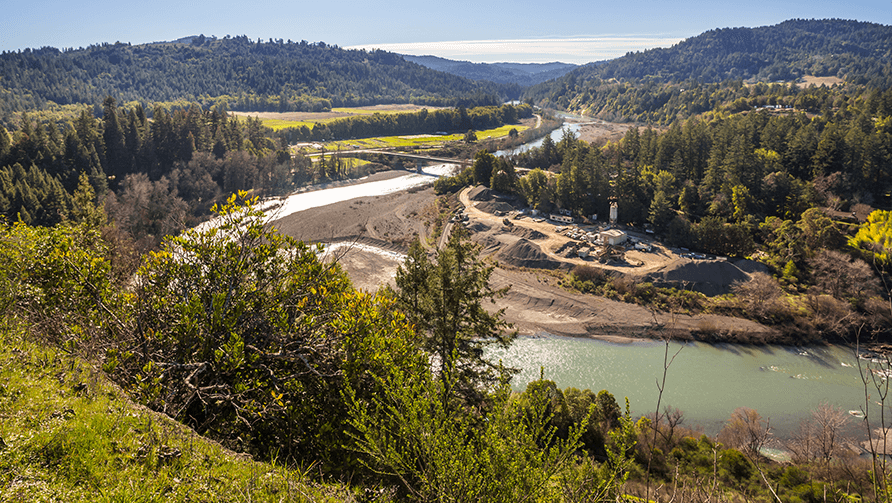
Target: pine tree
[(117, 162), (413, 278), (445, 299), (5, 145)]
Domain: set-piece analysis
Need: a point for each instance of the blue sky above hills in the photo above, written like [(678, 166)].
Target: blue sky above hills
[(575, 31)]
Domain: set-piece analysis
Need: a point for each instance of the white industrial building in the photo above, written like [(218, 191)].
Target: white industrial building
[(564, 219), (613, 237)]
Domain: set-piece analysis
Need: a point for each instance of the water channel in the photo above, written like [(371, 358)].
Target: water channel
[(556, 136), (707, 382)]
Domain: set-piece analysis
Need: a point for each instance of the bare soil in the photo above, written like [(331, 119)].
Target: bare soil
[(536, 301), (393, 218), (810, 80), (602, 132)]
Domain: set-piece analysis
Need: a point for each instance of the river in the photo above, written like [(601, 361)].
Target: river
[(707, 382), (556, 136), (321, 195)]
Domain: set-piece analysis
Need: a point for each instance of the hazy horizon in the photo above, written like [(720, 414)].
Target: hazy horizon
[(525, 31)]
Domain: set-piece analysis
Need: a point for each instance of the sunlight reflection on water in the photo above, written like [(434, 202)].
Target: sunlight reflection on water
[(707, 382)]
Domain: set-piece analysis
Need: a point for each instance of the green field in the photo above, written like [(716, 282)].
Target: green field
[(423, 140), (298, 119), (277, 124)]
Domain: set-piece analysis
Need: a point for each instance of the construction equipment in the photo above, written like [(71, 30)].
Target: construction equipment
[(610, 252)]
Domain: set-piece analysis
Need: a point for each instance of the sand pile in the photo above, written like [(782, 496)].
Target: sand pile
[(492, 207), (481, 193), (524, 253), (710, 277), (525, 232)]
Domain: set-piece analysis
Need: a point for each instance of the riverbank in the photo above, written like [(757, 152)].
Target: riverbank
[(536, 302)]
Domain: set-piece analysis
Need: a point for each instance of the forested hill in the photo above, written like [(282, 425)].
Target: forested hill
[(859, 53), (525, 74), (272, 75)]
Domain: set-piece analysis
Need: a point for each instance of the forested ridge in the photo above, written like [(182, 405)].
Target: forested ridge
[(245, 74), (524, 74), (695, 75)]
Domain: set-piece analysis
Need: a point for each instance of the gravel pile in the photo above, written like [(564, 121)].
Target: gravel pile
[(481, 193), (710, 277), (524, 253)]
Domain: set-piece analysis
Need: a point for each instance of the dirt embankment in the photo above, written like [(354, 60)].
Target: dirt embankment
[(392, 218), (535, 302)]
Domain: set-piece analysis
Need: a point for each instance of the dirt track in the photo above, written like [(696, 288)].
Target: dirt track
[(535, 302), (650, 262)]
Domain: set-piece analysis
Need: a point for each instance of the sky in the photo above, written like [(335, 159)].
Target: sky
[(570, 31)]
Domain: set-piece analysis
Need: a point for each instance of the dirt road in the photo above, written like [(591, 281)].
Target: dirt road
[(535, 302), (649, 261)]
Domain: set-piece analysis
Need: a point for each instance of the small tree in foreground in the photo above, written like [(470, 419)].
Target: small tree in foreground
[(747, 431), (444, 299)]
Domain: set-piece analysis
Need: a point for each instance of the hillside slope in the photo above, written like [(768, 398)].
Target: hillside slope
[(68, 434), (272, 75), (524, 74), (857, 52)]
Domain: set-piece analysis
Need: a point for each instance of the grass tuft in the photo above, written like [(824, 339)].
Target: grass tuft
[(68, 434)]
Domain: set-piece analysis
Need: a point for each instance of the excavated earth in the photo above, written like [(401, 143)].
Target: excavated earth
[(530, 256)]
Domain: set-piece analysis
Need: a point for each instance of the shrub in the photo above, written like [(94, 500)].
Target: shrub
[(247, 336)]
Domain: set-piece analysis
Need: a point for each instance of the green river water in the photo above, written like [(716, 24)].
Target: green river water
[(707, 382)]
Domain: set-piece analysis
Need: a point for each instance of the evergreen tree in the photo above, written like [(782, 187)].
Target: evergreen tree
[(484, 164), (445, 300), (5, 145), (660, 211), (117, 162)]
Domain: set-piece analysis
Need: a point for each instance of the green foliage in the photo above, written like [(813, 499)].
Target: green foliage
[(533, 188), (296, 76), (246, 335), (444, 300), (450, 184), (69, 434), (661, 85), (32, 196), (484, 165), (586, 481), (442, 453), (60, 279), (735, 466), (395, 124), (875, 237)]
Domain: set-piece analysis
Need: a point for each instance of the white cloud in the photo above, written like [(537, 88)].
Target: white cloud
[(578, 50)]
